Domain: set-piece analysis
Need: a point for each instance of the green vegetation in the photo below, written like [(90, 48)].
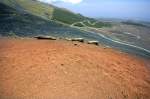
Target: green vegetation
[(13, 22), (31, 6), (79, 25), (66, 16), (97, 24), (31, 17), (50, 12)]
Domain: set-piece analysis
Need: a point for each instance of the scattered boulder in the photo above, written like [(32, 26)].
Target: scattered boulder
[(93, 42), (68, 39), (45, 37), (77, 39)]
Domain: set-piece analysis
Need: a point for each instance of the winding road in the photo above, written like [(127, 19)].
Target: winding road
[(125, 47)]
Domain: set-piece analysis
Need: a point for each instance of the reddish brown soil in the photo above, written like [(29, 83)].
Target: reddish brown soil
[(42, 69)]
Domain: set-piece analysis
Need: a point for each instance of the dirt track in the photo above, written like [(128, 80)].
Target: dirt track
[(40, 69)]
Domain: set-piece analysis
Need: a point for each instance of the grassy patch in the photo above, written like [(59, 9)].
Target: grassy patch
[(66, 16)]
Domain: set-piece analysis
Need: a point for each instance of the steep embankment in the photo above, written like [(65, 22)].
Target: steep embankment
[(60, 69), (29, 17), (17, 21), (20, 23)]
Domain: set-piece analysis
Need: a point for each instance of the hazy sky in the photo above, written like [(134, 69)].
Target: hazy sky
[(128, 9)]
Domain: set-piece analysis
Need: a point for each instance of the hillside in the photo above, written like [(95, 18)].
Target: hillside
[(47, 11), (15, 21), (27, 17), (31, 6), (44, 10)]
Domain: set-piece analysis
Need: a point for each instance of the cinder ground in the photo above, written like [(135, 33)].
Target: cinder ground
[(42, 69)]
